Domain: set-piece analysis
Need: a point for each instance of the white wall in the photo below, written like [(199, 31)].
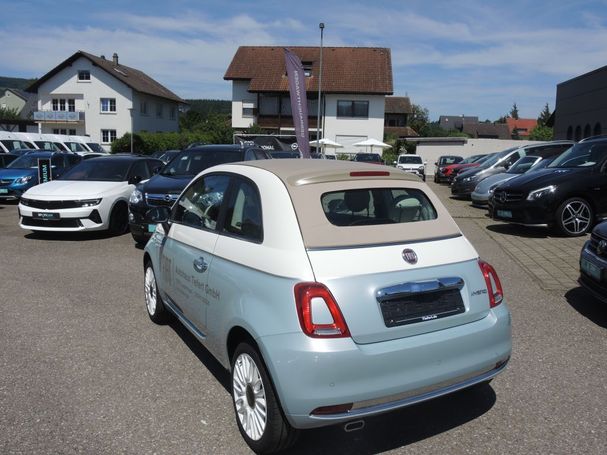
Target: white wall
[(151, 121), (240, 97), (349, 130), (431, 152)]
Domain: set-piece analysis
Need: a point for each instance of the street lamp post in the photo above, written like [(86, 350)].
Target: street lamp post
[(131, 110), (322, 27)]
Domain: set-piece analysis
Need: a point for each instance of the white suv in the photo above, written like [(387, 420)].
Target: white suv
[(413, 164)]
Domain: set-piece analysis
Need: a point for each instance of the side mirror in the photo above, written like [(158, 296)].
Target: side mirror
[(426, 163), (134, 180), (160, 215), (436, 163), (156, 170)]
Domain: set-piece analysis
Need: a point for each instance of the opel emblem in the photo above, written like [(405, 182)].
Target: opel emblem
[(167, 197), (601, 247), (410, 256), (502, 197)]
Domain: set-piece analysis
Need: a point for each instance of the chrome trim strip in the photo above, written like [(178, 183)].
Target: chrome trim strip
[(417, 287), (372, 407), (173, 308)]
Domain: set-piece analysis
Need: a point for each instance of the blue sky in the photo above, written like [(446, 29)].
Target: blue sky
[(452, 57)]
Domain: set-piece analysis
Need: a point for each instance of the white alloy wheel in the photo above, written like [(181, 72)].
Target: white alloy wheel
[(151, 293), (249, 397), (153, 302)]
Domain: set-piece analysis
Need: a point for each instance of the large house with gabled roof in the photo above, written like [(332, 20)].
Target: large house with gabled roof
[(355, 83), (104, 99)]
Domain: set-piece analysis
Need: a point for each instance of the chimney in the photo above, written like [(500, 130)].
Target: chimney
[(102, 57), (115, 59)]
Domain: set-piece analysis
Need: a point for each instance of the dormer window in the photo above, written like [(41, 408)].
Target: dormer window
[(307, 68)]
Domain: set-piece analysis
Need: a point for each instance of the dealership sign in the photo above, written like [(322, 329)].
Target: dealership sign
[(44, 170)]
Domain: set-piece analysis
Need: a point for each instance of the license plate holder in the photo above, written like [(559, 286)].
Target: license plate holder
[(49, 216), (590, 269), (504, 213), (151, 228), (3, 190)]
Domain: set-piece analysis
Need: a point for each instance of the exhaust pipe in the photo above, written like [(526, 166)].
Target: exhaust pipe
[(354, 426)]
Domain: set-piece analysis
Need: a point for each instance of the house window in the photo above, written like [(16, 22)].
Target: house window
[(173, 113), (72, 132), (159, 110), (570, 132), (60, 131), (143, 108), (71, 105), (59, 104), (268, 105), (108, 104), (597, 129), (84, 75), (108, 136), (358, 109)]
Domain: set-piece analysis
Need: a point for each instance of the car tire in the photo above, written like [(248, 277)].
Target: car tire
[(139, 238), (255, 401), (574, 217), (153, 302), (119, 219)]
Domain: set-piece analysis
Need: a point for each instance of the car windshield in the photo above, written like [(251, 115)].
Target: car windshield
[(76, 146), (26, 161), (374, 157), (409, 159), (493, 158), (192, 162), (95, 147), (523, 165), (12, 144), (473, 159), (377, 206), (583, 154), (99, 169), (445, 160)]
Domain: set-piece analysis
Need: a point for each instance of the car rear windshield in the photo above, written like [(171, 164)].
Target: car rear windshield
[(193, 162), (358, 207)]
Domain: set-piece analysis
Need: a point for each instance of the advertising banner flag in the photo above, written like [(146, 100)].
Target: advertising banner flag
[(299, 102)]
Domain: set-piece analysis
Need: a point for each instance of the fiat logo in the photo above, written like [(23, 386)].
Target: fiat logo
[(410, 256), (601, 247)]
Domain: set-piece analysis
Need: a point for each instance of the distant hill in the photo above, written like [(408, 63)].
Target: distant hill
[(206, 107), (15, 82)]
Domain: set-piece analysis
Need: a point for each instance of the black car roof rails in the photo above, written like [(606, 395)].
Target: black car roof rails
[(591, 138)]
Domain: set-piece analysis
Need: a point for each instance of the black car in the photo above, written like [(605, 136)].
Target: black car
[(164, 188), (463, 185), (593, 263), (569, 194), (374, 158), (440, 164)]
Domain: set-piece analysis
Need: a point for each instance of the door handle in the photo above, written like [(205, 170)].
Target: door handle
[(200, 265)]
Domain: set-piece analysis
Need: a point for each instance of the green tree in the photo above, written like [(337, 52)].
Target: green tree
[(514, 112), (255, 129), (9, 113), (542, 120), (541, 133), (419, 117)]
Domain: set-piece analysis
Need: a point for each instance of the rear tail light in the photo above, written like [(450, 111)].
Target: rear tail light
[(318, 312), (494, 287)]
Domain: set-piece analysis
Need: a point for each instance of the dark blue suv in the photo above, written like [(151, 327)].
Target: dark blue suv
[(21, 174), (163, 189)]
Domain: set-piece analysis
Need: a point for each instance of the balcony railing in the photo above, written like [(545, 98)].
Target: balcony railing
[(59, 116)]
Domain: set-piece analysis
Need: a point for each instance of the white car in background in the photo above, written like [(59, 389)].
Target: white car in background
[(412, 164), (92, 196)]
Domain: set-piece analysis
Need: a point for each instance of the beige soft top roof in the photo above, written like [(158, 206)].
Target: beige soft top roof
[(307, 180)]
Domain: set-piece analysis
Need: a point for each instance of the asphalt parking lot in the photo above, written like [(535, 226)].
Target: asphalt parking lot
[(84, 371)]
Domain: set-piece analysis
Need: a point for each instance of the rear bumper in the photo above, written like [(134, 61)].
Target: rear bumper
[(379, 377)]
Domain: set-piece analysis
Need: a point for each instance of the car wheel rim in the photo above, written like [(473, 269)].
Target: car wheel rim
[(249, 397), (150, 291), (576, 217)]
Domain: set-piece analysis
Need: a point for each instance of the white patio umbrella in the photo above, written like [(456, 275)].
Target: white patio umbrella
[(372, 143), (324, 142)]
